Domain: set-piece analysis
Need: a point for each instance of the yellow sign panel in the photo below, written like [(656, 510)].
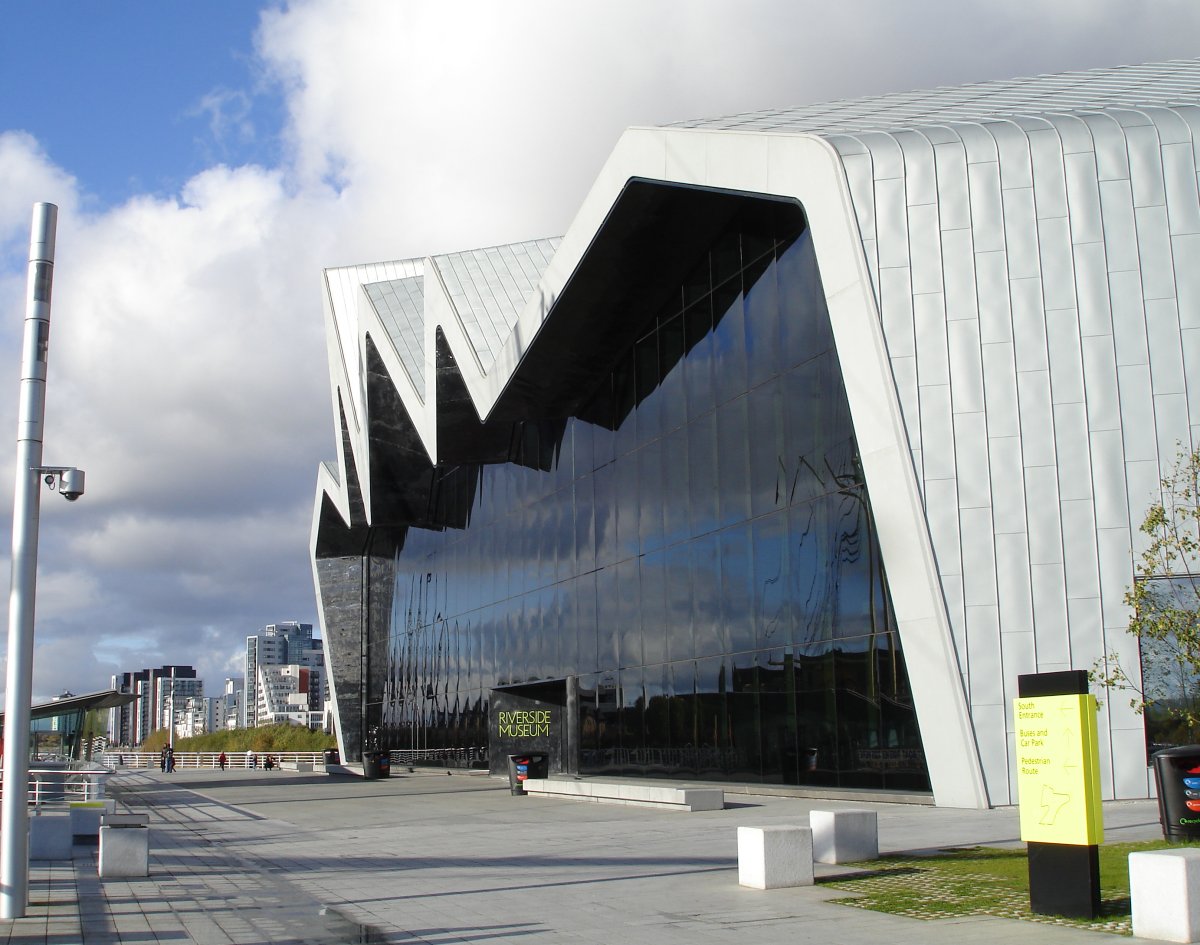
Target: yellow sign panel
[(1058, 769)]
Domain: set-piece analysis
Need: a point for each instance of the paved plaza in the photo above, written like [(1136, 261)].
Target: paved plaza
[(253, 857)]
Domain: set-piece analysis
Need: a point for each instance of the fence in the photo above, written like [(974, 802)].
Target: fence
[(441, 757), (208, 759), (59, 787)]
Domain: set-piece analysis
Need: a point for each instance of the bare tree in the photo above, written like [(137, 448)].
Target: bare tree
[(1165, 600)]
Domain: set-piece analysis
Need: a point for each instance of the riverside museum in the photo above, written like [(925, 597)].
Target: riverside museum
[(817, 428)]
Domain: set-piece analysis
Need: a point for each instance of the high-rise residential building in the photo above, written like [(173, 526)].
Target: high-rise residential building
[(121, 718), (145, 716), (287, 643), (171, 697), (289, 693), (225, 710), (191, 716)]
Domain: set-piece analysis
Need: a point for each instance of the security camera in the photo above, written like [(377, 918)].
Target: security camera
[(70, 483)]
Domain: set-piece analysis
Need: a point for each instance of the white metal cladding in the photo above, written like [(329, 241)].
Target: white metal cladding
[(1013, 276), (1027, 273)]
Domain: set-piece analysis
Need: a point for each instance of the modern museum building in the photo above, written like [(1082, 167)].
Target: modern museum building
[(816, 430)]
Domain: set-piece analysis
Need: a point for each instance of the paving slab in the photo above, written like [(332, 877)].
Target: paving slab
[(248, 858)]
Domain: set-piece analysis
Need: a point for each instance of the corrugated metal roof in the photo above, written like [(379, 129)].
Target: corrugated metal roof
[(400, 305), (1160, 83), (489, 287)]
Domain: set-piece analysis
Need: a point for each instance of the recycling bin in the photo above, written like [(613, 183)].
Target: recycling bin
[(523, 767), (376, 764), (1177, 777)]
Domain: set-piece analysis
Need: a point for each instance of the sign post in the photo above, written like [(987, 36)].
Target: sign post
[(1058, 789)]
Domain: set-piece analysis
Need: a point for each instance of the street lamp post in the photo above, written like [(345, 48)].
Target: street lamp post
[(14, 813)]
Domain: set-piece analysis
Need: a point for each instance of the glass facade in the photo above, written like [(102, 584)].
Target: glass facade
[(694, 543)]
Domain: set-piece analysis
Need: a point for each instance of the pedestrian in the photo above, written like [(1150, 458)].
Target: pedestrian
[(222, 761), (162, 760), (269, 763), (170, 760), (251, 760)]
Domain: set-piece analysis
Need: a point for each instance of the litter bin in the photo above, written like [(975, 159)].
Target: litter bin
[(1177, 777), (377, 764), (332, 756), (523, 767)]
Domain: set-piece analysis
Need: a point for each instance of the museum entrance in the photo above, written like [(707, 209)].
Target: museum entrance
[(540, 718)]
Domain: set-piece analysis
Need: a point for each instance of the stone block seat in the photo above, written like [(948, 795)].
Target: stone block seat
[(1164, 889), (85, 819), (124, 845), (680, 797), (844, 836), (50, 836), (775, 857)]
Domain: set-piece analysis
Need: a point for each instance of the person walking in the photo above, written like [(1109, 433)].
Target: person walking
[(162, 760), (170, 760), (222, 761)]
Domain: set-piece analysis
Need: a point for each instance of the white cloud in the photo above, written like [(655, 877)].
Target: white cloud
[(187, 367)]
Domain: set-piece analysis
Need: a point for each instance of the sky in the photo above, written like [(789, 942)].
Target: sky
[(210, 160)]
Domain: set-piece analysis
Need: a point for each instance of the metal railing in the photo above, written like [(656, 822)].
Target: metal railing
[(194, 760), (60, 787), (440, 757)]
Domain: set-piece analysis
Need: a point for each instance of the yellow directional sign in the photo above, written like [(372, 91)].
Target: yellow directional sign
[(1058, 769)]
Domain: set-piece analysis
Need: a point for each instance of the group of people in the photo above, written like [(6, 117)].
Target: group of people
[(269, 762), (166, 759)]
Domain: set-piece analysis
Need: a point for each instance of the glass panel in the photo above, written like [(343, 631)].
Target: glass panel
[(605, 482), (633, 704), (698, 368), (652, 498), (629, 609), (649, 414), (737, 594), (772, 613), (656, 722), (674, 394), (763, 328), (729, 348), (608, 619), (733, 462), (702, 473), (653, 580), (675, 494), (768, 477), (678, 603), (725, 522), (708, 625)]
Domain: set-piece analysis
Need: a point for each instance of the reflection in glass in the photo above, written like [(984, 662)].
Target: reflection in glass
[(703, 558)]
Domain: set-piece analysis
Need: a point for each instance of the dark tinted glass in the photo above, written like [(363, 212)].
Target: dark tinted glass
[(702, 557)]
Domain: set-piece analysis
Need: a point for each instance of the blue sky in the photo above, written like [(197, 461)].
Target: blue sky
[(138, 97), (209, 160)]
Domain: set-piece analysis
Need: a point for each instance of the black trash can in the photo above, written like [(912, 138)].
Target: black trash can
[(1177, 777), (332, 756), (376, 764), (523, 767)]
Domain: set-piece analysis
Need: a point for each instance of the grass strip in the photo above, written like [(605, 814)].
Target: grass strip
[(982, 881)]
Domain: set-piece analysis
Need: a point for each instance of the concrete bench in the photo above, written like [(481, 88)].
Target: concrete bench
[(775, 857), (124, 845), (844, 836), (1164, 888), (85, 819), (638, 795), (50, 836), (296, 765)]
